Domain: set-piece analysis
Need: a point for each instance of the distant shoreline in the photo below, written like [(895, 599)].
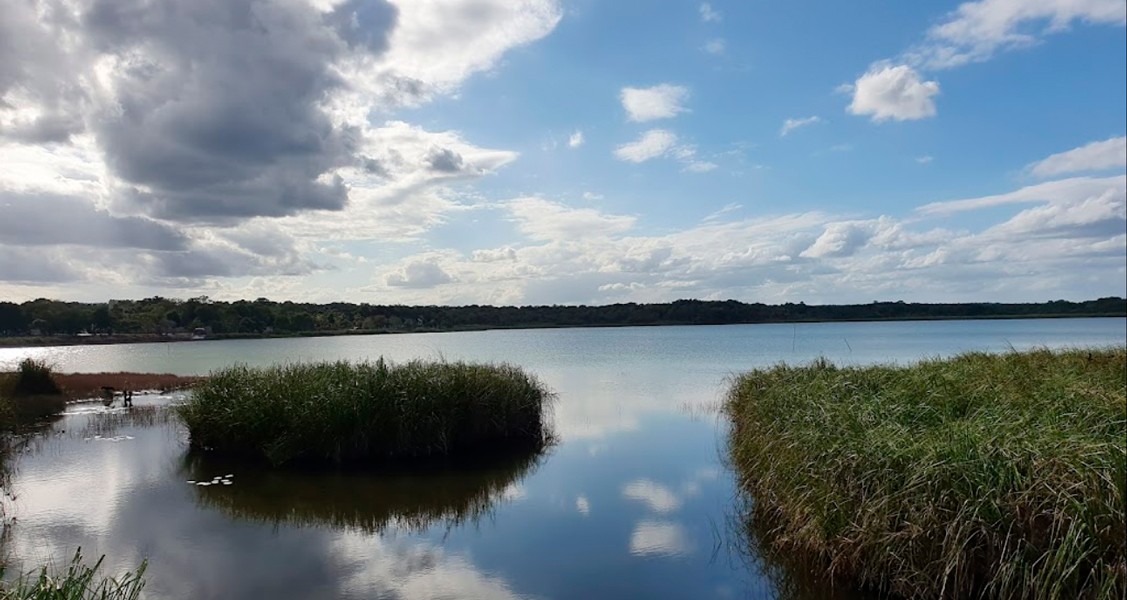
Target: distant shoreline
[(152, 338)]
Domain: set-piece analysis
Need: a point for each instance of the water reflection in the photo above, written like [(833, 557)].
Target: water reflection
[(370, 501)]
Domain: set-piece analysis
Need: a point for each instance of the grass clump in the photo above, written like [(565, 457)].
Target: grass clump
[(344, 412), (999, 476), (29, 394), (78, 581)]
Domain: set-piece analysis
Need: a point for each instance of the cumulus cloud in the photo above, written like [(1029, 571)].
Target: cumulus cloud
[(1096, 156), (658, 102), (36, 219), (176, 128), (839, 239), (437, 44), (575, 140), (976, 31), (419, 274), (652, 144), (790, 125), (893, 92)]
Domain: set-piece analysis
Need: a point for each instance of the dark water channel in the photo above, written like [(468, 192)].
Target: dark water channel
[(634, 501)]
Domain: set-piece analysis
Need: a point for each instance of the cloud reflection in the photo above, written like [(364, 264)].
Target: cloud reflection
[(659, 538), (659, 498)]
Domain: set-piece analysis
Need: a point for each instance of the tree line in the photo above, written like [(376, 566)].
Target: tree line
[(169, 316)]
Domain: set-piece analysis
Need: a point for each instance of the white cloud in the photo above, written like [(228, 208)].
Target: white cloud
[(893, 92), (659, 498), (652, 144), (575, 140), (658, 102), (1064, 190), (790, 125), (715, 46), (419, 274), (709, 14), (540, 219), (1096, 156), (583, 505), (924, 160), (975, 31), (839, 239), (442, 42)]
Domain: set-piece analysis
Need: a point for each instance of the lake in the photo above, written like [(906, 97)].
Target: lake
[(633, 501)]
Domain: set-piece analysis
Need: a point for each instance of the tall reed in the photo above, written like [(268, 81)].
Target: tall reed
[(1000, 476), (339, 411), (78, 581)]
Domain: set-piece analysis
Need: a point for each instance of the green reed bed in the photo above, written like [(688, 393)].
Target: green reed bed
[(343, 412), (982, 475), (78, 581)]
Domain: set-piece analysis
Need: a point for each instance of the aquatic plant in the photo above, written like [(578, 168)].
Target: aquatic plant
[(78, 581), (982, 475), (341, 412), (29, 394)]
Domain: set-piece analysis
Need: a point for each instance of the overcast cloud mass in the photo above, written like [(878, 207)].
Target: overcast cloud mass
[(540, 151)]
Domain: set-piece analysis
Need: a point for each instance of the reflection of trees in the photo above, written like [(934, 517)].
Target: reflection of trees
[(367, 500)]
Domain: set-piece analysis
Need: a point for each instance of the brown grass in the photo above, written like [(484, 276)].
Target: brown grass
[(81, 386)]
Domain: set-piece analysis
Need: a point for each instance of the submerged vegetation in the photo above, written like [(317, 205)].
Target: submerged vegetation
[(982, 475), (343, 412), (78, 581)]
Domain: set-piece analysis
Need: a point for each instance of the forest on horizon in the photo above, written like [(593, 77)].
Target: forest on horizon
[(168, 317)]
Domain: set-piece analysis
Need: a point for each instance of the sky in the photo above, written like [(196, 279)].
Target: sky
[(563, 151)]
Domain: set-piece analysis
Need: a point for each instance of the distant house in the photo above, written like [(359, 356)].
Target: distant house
[(199, 333)]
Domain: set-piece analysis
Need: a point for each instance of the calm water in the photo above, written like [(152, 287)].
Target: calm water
[(634, 501)]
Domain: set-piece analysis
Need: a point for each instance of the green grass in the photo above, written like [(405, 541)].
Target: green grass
[(999, 476), (78, 581), (343, 412)]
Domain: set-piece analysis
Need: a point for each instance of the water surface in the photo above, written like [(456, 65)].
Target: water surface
[(634, 500)]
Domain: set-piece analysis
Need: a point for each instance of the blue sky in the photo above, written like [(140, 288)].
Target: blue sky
[(535, 151)]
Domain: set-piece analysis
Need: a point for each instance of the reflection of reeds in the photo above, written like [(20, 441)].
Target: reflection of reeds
[(371, 501), (108, 422), (342, 412), (982, 475), (785, 575)]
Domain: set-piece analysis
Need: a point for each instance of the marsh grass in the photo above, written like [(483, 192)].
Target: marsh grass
[(343, 412), (78, 581), (983, 475), (29, 394)]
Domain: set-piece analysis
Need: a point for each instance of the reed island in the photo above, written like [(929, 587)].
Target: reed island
[(978, 476)]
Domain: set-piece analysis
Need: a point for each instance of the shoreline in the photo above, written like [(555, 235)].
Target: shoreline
[(152, 338), (88, 386)]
